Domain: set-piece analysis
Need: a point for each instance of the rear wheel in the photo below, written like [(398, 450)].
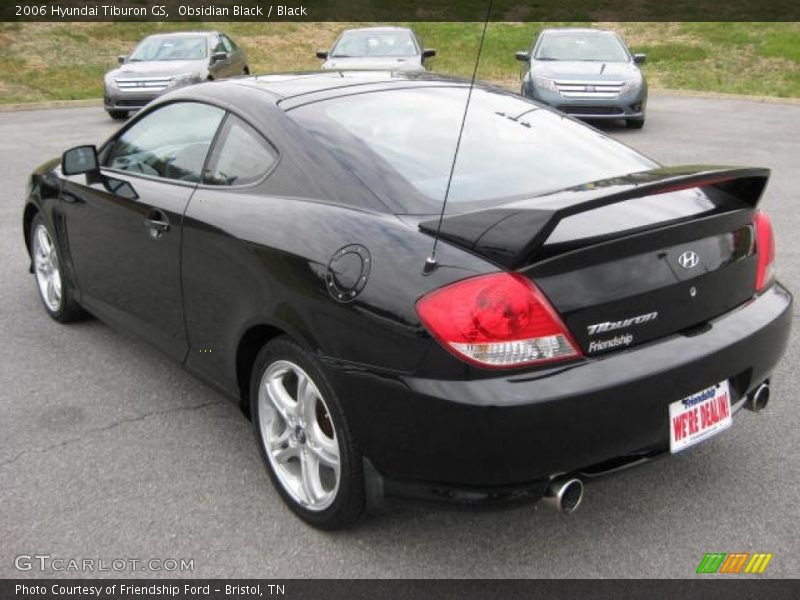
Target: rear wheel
[(635, 123), (50, 277), (304, 438), (118, 115)]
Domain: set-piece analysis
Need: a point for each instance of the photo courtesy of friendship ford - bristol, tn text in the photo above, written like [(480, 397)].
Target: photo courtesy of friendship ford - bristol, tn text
[(420, 266)]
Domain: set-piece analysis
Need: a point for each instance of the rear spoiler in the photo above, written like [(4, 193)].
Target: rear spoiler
[(509, 234)]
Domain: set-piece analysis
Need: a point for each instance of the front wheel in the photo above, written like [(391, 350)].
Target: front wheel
[(50, 277), (304, 437), (118, 115), (635, 123)]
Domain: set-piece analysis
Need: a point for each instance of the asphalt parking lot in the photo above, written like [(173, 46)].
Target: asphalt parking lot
[(108, 450)]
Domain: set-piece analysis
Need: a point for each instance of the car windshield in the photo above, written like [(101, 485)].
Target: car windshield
[(370, 43), (401, 143), (170, 48), (592, 46)]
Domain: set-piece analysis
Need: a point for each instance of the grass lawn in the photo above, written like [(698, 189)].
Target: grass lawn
[(63, 61)]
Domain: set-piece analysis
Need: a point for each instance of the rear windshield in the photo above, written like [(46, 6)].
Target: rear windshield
[(401, 143)]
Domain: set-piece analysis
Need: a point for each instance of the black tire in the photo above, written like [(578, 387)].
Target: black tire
[(246, 71), (67, 309), (118, 115), (348, 502), (635, 123)]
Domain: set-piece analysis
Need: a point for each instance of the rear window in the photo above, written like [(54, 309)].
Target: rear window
[(401, 143)]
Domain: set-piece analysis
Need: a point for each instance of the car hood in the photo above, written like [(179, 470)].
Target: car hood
[(581, 69), (160, 68), (376, 63)]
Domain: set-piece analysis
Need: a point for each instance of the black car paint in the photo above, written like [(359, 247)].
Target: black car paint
[(513, 431), (252, 262)]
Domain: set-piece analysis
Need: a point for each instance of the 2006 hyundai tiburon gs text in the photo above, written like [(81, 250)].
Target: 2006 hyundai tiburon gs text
[(586, 308)]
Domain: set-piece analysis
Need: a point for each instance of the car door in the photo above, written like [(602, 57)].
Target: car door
[(236, 54), (124, 224), (221, 283), (221, 68)]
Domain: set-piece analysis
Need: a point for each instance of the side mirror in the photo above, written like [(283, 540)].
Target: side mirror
[(81, 159), (121, 59), (523, 56), (428, 53), (218, 56), (322, 55), (640, 59)]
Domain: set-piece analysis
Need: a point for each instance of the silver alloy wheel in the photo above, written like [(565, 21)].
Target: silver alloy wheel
[(298, 435), (48, 272)]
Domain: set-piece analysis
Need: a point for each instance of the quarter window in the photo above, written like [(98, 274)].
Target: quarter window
[(241, 156), (229, 45), (217, 45), (171, 142)]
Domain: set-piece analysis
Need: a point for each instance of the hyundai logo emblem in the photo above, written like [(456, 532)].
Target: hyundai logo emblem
[(689, 259)]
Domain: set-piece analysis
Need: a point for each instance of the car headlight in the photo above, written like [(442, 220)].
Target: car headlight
[(183, 79), (545, 84), (630, 86), (110, 82)]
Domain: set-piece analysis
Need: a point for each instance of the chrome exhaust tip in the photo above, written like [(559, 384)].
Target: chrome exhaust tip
[(564, 494), (758, 400)]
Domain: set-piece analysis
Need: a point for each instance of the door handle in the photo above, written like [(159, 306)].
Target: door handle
[(161, 226), (157, 223)]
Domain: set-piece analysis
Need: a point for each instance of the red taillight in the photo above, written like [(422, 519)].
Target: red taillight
[(500, 320), (765, 251)]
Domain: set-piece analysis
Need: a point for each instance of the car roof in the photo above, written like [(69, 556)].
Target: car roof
[(328, 84), (184, 34), (378, 29), (578, 30)]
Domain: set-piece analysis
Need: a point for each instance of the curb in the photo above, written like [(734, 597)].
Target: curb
[(726, 96), (50, 104), (22, 106), (513, 85)]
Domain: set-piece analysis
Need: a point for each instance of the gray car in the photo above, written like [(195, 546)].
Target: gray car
[(587, 73), (377, 48), (166, 61)]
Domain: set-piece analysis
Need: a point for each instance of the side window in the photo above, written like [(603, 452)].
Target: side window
[(228, 43), (217, 45), (241, 156), (171, 142)]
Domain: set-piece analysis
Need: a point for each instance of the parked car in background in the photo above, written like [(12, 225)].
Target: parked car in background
[(166, 61), (587, 73), (377, 48)]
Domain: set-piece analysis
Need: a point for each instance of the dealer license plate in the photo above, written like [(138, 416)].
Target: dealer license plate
[(699, 416)]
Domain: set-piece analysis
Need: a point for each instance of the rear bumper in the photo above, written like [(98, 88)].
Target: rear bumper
[(509, 434)]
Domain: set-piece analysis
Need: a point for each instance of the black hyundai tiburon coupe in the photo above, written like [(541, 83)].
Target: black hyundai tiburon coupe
[(587, 308)]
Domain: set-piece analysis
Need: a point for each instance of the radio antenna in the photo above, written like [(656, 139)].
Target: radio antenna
[(430, 262)]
